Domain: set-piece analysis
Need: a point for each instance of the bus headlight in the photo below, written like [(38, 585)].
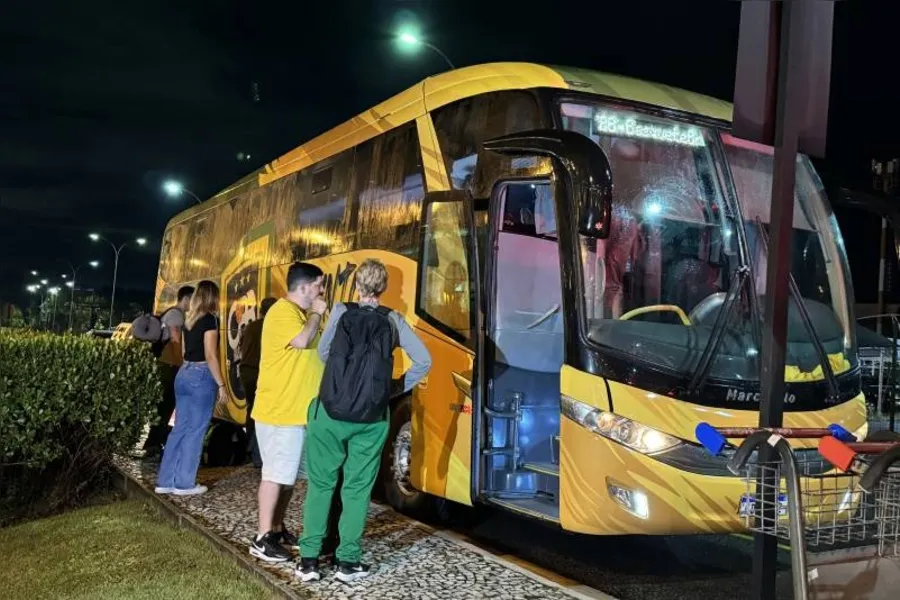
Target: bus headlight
[(645, 440)]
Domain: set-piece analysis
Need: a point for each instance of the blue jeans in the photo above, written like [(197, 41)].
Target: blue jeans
[(195, 399)]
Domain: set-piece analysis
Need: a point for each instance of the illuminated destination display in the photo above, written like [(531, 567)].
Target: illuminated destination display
[(614, 124)]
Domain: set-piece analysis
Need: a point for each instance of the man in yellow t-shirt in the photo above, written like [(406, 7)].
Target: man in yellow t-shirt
[(290, 372)]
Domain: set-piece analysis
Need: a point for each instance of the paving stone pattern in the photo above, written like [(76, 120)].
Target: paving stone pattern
[(409, 560)]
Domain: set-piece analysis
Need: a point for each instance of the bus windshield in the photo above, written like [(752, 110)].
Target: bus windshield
[(678, 245)]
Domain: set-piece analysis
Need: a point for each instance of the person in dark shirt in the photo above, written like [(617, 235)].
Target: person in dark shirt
[(169, 362), (249, 345), (198, 385)]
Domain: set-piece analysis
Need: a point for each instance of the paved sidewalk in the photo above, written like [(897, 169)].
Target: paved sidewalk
[(410, 559)]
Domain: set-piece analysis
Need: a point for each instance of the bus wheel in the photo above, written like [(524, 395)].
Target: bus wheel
[(398, 490)]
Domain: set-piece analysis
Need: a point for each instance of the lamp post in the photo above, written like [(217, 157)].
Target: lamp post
[(71, 284), (36, 289), (410, 39), (53, 291), (96, 237), (174, 189)]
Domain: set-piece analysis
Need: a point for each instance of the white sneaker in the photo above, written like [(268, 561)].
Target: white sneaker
[(194, 491), (164, 490)]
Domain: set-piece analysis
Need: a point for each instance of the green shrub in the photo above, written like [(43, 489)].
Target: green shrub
[(67, 404)]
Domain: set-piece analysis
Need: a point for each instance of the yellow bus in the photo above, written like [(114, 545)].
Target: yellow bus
[(584, 256)]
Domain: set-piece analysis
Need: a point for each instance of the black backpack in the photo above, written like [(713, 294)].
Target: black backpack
[(357, 382)]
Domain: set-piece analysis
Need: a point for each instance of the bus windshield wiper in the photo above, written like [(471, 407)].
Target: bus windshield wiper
[(738, 281), (807, 320)]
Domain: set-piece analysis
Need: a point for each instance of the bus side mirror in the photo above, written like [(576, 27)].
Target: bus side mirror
[(581, 162)]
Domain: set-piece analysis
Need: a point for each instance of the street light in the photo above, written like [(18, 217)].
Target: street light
[(410, 39), (71, 283), (117, 249), (44, 282), (175, 189), (34, 273)]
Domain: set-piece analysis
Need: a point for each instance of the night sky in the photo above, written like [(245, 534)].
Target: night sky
[(102, 101)]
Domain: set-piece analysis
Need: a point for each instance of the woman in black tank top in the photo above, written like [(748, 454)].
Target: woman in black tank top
[(198, 385)]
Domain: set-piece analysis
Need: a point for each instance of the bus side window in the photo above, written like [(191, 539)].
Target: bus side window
[(444, 295), (323, 191), (462, 126), (390, 203)]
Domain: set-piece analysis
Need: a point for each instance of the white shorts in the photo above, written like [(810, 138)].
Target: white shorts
[(281, 450)]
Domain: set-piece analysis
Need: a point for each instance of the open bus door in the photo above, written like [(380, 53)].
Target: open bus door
[(533, 317)]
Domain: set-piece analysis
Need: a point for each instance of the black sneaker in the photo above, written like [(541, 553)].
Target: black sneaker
[(269, 549), (308, 570), (286, 537), (349, 572)]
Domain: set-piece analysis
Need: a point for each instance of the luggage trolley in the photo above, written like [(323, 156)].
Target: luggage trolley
[(799, 495)]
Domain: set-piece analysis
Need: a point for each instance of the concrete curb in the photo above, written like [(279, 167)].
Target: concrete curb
[(581, 592), (132, 488)]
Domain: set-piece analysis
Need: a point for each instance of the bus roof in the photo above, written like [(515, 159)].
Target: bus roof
[(451, 86)]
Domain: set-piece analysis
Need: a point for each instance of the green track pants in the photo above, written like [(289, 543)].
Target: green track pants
[(332, 446)]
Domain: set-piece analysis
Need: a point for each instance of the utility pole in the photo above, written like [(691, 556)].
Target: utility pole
[(781, 99)]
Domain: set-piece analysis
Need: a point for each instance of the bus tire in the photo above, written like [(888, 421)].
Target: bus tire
[(396, 460)]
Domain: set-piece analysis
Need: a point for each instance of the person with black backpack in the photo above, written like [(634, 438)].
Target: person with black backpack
[(348, 423), (168, 352)]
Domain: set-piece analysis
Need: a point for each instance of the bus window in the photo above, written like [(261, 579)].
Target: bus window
[(322, 209), (817, 253), (671, 253), (167, 270), (668, 215), (528, 210), (444, 294), (461, 127), (390, 204)]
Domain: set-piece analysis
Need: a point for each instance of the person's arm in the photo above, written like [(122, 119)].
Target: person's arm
[(328, 335), (173, 319), (417, 352), (175, 335), (302, 340), (211, 354)]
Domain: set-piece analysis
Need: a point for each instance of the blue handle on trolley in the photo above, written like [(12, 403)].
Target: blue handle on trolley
[(841, 434), (710, 438)]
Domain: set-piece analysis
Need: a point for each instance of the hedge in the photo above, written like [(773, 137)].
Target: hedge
[(67, 404)]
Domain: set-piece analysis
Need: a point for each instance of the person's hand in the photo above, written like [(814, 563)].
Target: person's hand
[(319, 306), (223, 395)]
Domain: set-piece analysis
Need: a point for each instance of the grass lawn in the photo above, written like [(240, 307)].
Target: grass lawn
[(120, 550)]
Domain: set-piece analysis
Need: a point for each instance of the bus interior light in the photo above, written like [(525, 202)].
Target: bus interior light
[(622, 430)]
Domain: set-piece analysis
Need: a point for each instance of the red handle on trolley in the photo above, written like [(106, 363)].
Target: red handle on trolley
[(845, 456), (838, 453)]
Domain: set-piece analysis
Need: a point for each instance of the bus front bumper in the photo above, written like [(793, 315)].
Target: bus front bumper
[(609, 489)]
